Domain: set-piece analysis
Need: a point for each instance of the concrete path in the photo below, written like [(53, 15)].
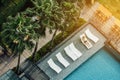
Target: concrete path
[(12, 62)]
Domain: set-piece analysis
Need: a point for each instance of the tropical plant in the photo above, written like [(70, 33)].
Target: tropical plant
[(71, 12), (17, 34), (56, 15), (35, 21), (50, 14)]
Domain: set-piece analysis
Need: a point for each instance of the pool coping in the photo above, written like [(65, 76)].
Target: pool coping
[(73, 65)]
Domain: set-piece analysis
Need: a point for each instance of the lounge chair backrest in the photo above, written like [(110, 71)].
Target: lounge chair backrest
[(62, 60), (70, 54), (91, 36), (75, 50), (54, 66)]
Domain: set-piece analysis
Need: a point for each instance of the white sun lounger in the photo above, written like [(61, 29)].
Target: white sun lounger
[(85, 41), (62, 60), (54, 66), (70, 53), (75, 50), (91, 36)]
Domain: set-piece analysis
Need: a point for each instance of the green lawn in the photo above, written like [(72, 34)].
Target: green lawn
[(113, 6)]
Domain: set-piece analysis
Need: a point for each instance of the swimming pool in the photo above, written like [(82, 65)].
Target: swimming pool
[(102, 66)]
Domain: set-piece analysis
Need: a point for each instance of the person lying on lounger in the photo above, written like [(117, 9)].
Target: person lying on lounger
[(85, 40)]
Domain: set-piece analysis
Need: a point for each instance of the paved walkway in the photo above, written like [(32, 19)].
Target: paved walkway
[(12, 62), (32, 72), (87, 53), (87, 12)]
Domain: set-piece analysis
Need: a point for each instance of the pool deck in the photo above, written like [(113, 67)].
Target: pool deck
[(86, 53)]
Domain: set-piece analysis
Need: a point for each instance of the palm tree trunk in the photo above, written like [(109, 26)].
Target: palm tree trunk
[(18, 64), (35, 49), (52, 40)]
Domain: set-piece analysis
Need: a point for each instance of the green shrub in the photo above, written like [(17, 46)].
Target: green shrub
[(37, 57), (10, 8)]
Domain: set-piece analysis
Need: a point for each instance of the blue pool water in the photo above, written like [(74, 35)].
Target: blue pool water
[(102, 66)]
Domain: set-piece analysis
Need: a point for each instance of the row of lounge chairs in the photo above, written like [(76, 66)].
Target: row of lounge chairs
[(72, 52)]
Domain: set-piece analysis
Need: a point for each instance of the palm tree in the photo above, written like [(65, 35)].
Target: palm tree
[(17, 35), (56, 16), (44, 9), (39, 30)]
